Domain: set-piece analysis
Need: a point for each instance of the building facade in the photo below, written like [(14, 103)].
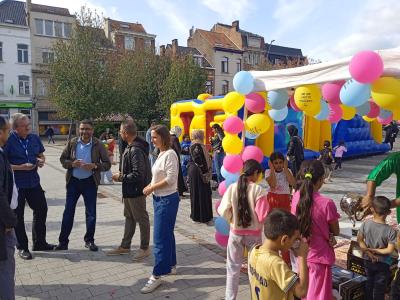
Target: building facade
[(15, 60), (282, 55)]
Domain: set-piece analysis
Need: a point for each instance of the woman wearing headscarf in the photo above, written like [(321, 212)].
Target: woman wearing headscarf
[(218, 151), (295, 149), (175, 133)]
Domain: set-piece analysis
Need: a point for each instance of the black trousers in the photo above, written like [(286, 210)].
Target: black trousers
[(395, 289), (338, 161), (37, 202)]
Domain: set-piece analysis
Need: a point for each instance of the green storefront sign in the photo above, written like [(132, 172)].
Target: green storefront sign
[(15, 104)]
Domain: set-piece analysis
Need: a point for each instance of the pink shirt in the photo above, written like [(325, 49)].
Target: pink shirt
[(339, 151), (323, 212)]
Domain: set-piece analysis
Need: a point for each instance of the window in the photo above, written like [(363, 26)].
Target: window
[(41, 87), (1, 51), (23, 84), (4, 112), (47, 56), (198, 61), (48, 26), (225, 87), (22, 53), (58, 29), (147, 44), (1, 84), (239, 65), (224, 65), (25, 112), (129, 42), (67, 30), (39, 26), (209, 87)]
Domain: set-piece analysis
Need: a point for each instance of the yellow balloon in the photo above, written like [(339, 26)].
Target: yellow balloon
[(233, 101), (307, 99), (386, 92), (368, 119), (348, 112), (232, 144), (257, 124), (396, 115)]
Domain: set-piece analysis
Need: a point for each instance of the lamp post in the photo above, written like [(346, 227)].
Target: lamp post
[(269, 48)]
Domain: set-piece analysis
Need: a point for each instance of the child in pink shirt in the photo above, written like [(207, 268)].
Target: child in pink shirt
[(318, 218), (339, 150)]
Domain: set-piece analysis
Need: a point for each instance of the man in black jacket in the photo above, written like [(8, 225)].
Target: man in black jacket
[(8, 220), (135, 175)]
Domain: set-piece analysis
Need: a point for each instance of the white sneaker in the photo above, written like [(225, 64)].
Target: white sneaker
[(173, 271), (151, 285), (141, 254)]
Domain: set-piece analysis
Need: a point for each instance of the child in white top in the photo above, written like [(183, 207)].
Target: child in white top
[(245, 206), (339, 150)]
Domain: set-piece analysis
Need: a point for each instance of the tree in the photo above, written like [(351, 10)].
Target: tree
[(82, 79)]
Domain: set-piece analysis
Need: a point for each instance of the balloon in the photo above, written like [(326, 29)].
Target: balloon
[(278, 115), (216, 205), (233, 101), (251, 136), (396, 114), (252, 152), (255, 103), (331, 91), (222, 240), (348, 112), (257, 123), (293, 103), (363, 109), (232, 144), (264, 94), (229, 177), (324, 113), (233, 163), (221, 226), (367, 119), (366, 66), (354, 93), (385, 121), (243, 82), (386, 92), (384, 114), (233, 125), (203, 96), (307, 98), (374, 110), (278, 99), (222, 188), (335, 113)]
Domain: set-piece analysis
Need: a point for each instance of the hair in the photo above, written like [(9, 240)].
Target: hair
[(3, 123), (280, 222), (129, 127), (381, 205), (197, 134), (186, 136), (327, 144), (163, 132), (341, 143), (276, 155), (250, 167), (217, 128), (16, 118), (311, 171), (87, 122)]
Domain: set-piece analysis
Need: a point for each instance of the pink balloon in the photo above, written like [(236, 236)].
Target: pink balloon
[(293, 103), (374, 110), (366, 66), (233, 125), (255, 103), (385, 121), (233, 163), (252, 152), (217, 204), (331, 91), (335, 113), (222, 188), (222, 240)]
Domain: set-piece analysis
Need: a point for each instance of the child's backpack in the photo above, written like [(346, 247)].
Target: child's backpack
[(326, 156)]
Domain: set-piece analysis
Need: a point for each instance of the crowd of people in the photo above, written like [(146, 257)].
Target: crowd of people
[(288, 226)]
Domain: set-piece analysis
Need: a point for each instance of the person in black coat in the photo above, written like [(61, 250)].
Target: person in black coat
[(8, 220), (295, 150)]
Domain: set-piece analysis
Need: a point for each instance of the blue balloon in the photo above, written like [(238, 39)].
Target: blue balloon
[(354, 93), (324, 113), (222, 226), (363, 109), (243, 82), (251, 136), (278, 114), (278, 99), (384, 113), (229, 177)]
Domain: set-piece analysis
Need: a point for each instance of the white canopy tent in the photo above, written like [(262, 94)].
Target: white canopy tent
[(320, 73)]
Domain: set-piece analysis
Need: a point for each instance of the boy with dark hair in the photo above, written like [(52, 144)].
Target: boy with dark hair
[(377, 241), (326, 158), (269, 275)]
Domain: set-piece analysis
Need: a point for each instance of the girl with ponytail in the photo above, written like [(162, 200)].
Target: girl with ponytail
[(245, 207), (319, 222)]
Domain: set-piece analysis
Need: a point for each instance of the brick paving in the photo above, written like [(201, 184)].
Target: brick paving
[(81, 274)]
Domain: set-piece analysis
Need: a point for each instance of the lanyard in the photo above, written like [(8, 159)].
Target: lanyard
[(23, 145)]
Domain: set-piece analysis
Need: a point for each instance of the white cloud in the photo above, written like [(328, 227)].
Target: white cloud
[(229, 10)]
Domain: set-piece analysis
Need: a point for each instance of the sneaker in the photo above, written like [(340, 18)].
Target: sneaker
[(151, 285), (173, 271), (118, 251), (25, 254), (141, 254)]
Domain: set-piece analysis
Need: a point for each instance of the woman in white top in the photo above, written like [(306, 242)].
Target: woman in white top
[(163, 186)]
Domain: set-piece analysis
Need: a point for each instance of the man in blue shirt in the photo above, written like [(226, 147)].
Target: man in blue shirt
[(84, 158), (25, 153)]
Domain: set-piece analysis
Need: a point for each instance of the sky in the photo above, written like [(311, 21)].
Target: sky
[(323, 29)]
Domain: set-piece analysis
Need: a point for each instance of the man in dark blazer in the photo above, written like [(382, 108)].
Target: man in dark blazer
[(8, 220)]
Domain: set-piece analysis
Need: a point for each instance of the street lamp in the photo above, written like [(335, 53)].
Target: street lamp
[(269, 48)]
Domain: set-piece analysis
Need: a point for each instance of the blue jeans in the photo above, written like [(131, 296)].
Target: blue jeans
[(218, 160), (7, 268), (377, 278), (75, 188), (164, 249)]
